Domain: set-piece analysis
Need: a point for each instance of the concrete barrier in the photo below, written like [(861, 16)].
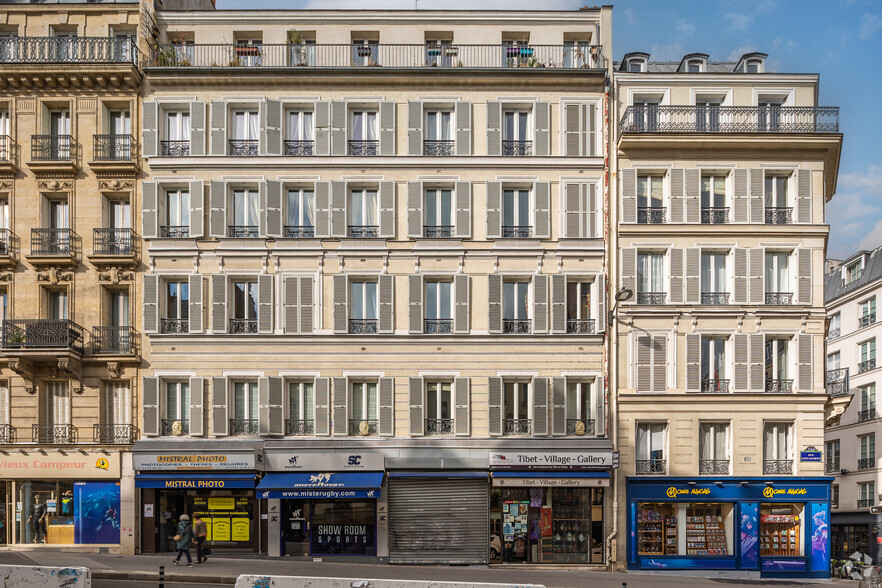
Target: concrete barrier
[(45, 577), (254, 581)]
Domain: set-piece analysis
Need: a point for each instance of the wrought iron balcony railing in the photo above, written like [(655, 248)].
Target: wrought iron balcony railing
[(438, 148), (715, 216), (51, 147), (865, 463), (832, 466), (7, 433), (867, 365), (833, 334), (866, 415), (292, 232), (115, 341), (655, 215), (439, 426), (580, 427), (244, 427), (113, 241), (113, 434), (244, 231), (43, 334), (175, 427), (68, 50), (52, 241), (299, 427), (777, 466), (364, 427), (243, 326), (438, 326), (651, 466), (651, 297), (6, 237), (716, 467), (865, 502), (367, 148), (54, 434), (517, 326), (517, 232), (363, 326), (517, 148), (836, 382), (364, 231), (175, 325), (730, 119), (180, 232), (779, 215), (175, 148), (244, 147), (299, 148), (5, 148), (580, 326), (867, 319), (777, 386), (516, 426), (112, 147), (715, 298), (438, 232), (714, 386), (779, 298)]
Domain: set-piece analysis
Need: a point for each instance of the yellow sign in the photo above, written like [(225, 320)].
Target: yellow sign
[(241, 529), (220, 529), (674, 492), (222, 503), (770, 492), (102, 464)]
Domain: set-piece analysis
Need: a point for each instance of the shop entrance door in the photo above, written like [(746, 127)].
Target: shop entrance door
[(295, 527), (171, 506)]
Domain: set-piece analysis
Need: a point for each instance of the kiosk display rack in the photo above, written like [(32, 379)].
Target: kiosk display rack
[(705, 533), (779, 534)]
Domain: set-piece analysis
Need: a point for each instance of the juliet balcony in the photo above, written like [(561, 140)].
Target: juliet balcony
[(836, 382)]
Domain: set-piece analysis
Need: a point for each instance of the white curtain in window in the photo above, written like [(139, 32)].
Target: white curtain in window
[(4, 403), (58, 400), (4, 213), (118, 403), (649, 272), (308, 402), (253, 208), (713, 272), (445, 126), (356, 211), (371, 401), (293, 208), (371, 209), (252, 126), (239, 208), (370, 301), (308, 131), (239, 125), (357, 126), (308, 208), (358, 401), (431, 126), (372, 126), (444, 302), (294, 126), (119, 309)]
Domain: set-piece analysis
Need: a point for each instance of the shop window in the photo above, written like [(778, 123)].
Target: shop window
[(341, 527), (781, 530), (227, 517), (684, 529), (68, 513), (846, 539)]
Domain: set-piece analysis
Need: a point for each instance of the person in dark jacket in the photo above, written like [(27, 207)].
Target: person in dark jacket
[(185, 537), (200, 531)]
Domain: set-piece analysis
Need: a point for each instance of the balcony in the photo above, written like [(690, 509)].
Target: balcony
[(655, 215), (517, 232), (113, 434), (8, 246), (7, 434), (836, 382), (516, 426), (715, 298), (779, 215), (517, 148), (115, 341), (52, 155), (833, 334), (867, 365), (580, 326), (7, 155), (866, 415), (244, 147), (865, 502), (175, 427), (299, 148), (292, 232), (177, 232), (54, 247), (113, 147), (363, 326), (114, 247), (865, 463), (244, 427), (713, 467), (730, 119), (54, 434), (439, 148), (364, 148), (364, 427), (243, 326), (714, 386), (439, 426), (647, 467), (516, 326), (244, 232), (438, 232), (40, 334), (174, 326), (832, 467), (651, 297), (68, 50), (438, 326), (867, 320), (299, 428), (777, 466), (174, 148), (714, 216), (779, 298), (364, 231), (777, 386), (580, 427)]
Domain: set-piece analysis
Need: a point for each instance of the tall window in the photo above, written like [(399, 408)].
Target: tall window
[(4, 305), (777, 448), (301, 409), (868, 451), (650, 199), (579, 409), (439, 408), (867, 494), (835, 324), (364, 402), (365, 52), (650, 278), (5, 147), (118, 308), (867, 312), (713, 199), (300, 133), (301, 213), (516, 213), (438, 133), (439, 307), (516, 133), (778, 366), (246, 210), (4, 408), (854, 271), (363, 307), (868, 402), (120, 122), (245, 401), (515, 307), (177, 134), (516, 408), (713, 365), (177, 308), (59, 123), (245, 125), (707, 112), (57, 403), (57, 304), (438, 213), (579, 307), (646, 115), (833, 361), (4, 210), (117, 403), (779, 210), (244, 318), (778, 288), (364, 213), (832, 461), (714, 288), (177, 402), (363, 138), (177, 210), (59, 213), (868, 356), (651, 448), (713, 447)]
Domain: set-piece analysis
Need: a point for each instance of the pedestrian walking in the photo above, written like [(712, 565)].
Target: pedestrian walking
[(183, 540), (200, 529)]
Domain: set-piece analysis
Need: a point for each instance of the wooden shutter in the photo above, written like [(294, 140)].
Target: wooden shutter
[(217, 214), (600, 296), (150, 417), (306, 305), (757, 196), (270, 117), (341, 303), (494, 406), (265, 303), (757, 275), (149, 210), (271, 209), (542, 128), (194, 288), (322, 407), (693, 275), (558, 406), (386, 299), (387, 210), (322, 128), (218, 127), (218, 303), (197, 209), (540, 407), (220, 423), (542, 210), (591, 146), (693, 362), (387, 127), (740, 196), (463, 119), (739, 296), (494, 210), (644, 363), (149, 129), (196, 413), (292, 304), (197, 128), (461, 297), (416, 397), (414, 210), (339, 114), (593, 213), (693, 196), (559, 304), (414, 127), (340, 419), (339, 215), (599, 407), (741, 345), (323, 209), (462, 407), (151, 303), (540, 303), (804, 279), (573, 218), (494, 128), (629, 270), (272, 421), (804, 196), (659, 363), (574, 137), (757, 363), (678, 195), (805, 346), (629, 195), (415, 294), (678, 272), (386, 393), (494, 302), (463, 220)]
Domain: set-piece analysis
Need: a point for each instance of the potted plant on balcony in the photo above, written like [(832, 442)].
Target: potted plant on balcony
[(298, 48)]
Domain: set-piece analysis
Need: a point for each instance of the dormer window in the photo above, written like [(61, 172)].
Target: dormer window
[(752, 63), (853, 271), (634, 62), (695, 66), (754, 66), (693, 63)]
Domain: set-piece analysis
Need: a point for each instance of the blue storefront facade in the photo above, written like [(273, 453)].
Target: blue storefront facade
[(777, 527)]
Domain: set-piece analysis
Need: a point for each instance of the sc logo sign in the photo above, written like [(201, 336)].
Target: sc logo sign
[(354, 460)]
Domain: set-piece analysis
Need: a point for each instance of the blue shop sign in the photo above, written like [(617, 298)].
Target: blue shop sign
[(762, 489)]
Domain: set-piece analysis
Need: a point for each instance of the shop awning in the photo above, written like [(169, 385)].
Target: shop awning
[(201, 481), (436, 474), (550, 479), (321, 485)]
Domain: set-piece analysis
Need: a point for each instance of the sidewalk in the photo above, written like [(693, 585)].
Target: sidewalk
[(225, 571)]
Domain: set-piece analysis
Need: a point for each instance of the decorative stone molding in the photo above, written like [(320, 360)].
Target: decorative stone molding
[(23, 368), (55, 185), (113, 370), (115, 275), (54, 275), (5, 186), (116, 185), (7, 277), (70, 367)]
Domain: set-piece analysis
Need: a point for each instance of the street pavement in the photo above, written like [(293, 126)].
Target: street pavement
[(141, 571)]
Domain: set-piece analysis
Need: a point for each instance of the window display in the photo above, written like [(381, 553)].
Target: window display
[(341, 527), (705, 533), (781, 529), (657, 529), (68, 513), (682, 528), (227, 514)]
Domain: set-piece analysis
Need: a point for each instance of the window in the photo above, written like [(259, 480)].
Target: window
[(301, 409), (245, 138), (57, 404), (769, 118), (363, 307), (650, 278), (301, 213), (439, 408), (777, 448), (177, 408), (363, 138), (364, 214), (438, 213), (578, 54), (365, 52), (779, 211), (695, 66), (635, 65), (713, 365), (516, 214), (515, 308), (867, 494), (868, 403), (867, 313), (56, 304), (300, 136), (651, 448), (714, 210), (364, 409), (579, 418), (4, 305), (516, 409), (831, 465), (778, 288), (867, 457), (833, 361), (713, 442), (868, 356), (714, 288), (707, 114), (579, 308), (753, 67), (778, 366), (650, 200), (177, 214), (835, 322), (516, 133), (438, 133), (245, 409), (246, 210), (439, 307), (854, 271), (4, 220), (248, 52), (177, 308), (440, 53), (645, 115), (118, 407), (5, 434), (244, 308), (120, 122), (834, 495), (177, 134)]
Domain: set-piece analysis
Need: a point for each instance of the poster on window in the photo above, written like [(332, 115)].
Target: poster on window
[(96, 512), (343, 539)]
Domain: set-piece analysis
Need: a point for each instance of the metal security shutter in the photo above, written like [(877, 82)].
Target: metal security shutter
[(438, 520)]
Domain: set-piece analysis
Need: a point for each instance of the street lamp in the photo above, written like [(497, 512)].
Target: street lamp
[(621, 296)]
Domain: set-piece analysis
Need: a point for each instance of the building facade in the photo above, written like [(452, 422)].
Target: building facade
[(722, 171), (70, 78), (851, 289)]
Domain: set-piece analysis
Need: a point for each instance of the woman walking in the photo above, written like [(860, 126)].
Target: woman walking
[(183, 539)]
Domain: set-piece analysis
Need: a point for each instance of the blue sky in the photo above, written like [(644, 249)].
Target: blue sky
[(839, 39)]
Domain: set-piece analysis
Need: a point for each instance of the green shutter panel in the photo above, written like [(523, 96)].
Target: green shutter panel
[(339, 216), (601, 304), (540, 407), (292, 305), (693, 362), (494, 406), (386, 300), (741, 344), (218, 303), (271, 210), (387, 128), (599, 406), (387, 210), (629, 195), (270, 116), (463, 218), (322, 128), (494, 128), (149, 210), (463, 120), (693, 196), (494, 210), (217, 214), (306, 305), (757, 196), (197, 209), (414, 210), (340, 418), (414, 127), (338, 128), (322, 209), (322, 387), (558, 304), (542, 128), (804, 196), (265, 303), (415, 290), (542, 210), (341, 306), (494, 301), (218, 127), (540, 303), (678, 195), (461, 297), (386, 394), (558, 406), (740, 197)]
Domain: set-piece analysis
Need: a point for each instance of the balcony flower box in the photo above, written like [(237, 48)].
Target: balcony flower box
[(247, 50)]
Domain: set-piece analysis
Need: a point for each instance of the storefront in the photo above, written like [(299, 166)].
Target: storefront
[(855, 531), (777, 527)]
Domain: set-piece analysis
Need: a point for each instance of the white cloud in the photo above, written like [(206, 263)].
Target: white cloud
[(855, 213), (741, 13), (736, 54), (870, 23), (686, 28)]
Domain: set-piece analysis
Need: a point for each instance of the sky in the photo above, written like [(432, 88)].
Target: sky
[(839, 39)]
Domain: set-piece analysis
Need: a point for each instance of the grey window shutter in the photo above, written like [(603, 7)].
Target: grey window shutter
[(340, 418), (629, 195), (494, 302), (415, 289), (150, 419), (149, 210), (804, 279), (693, 275), (741, 346), (463, 117), (494, 127), (462, 407), (306, 305), (463, 220), (494, 210), (804, 196), (757, 276), (149, 127), (292, 305), (659, 363), (338, 128), (220, 423), (387, 127), (414, 127), (693, 362), (757, 196), (271, 213), (265, 303), (272, 418), (261, 221), (558, 406), (558, 304), (678, 195), (601, 304), (270, 117), (341, 303), (387, 406), (757, 363), (322, 407), (629, 270), (540, 407), (592, 130), (197, 128), (218, 127), (741, 276), (414, 210), (461, 297), (218, 303), (593, 212), (740, 197), (416, 400), (196, 413), (387, 210), (151, 303), (197, 209), (678, 272), (194, 288), (573, 207), (339, 217), (494, 406), (804, 358), (540, 303), (644, 363), (386, 300), (693, 196), (322, 209), (599, 407), (217, 215), (323, 127), (573, 125), (542, 210), (542, 128)]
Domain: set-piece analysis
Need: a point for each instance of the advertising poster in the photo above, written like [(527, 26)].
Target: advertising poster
[(96, 512), (749, 535), (820, 537), (546, 521), (240, 529), (343, 539), (221, 503), (220, 529)]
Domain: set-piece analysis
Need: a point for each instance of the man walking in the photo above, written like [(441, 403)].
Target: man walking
[(200, 529)]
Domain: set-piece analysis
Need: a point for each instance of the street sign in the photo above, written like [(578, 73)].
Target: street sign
[(876, 510)]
